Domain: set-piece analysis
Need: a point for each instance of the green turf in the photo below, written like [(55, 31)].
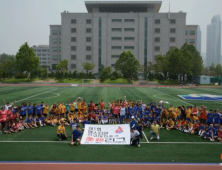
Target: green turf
[(151, 152), (117, 81)]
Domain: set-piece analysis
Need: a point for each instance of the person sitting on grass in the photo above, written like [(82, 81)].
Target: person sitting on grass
[(170, 125), (135, 137), (61, 131), (155, 131), (76, 136), (28, 123), (189, 128), (195, 129), (207, 134), (219, 134)]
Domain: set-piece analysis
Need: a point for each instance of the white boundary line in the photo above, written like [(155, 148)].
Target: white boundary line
[(172, 96), (145, 136)]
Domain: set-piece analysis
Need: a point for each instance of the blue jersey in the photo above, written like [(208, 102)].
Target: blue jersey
[(30, 109), (210, 117), (29, 120), (133, 124), (73, 125), (158, 112), (201, 127), (217, 118), (132, 111), (139, 109), (147, 112), (34, 109), (39, 110), (85, 122), (23, 111), (76, 134)]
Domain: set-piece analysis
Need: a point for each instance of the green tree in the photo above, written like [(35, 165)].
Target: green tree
[(161, 67), (26, 61), (62, 68), (128, 65), (87, 66), (218, 69), (106, 72)]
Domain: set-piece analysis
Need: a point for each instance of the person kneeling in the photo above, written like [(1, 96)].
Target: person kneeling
[(76, 136), (135, 137), (155, 131), (61, 131)]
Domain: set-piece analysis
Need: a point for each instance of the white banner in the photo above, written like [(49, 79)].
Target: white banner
[(106, 134)]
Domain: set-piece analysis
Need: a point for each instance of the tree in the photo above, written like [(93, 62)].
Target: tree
[(128, 65), (62, 67), (87, 66), (106, 72), (161, 67), (26, 61)]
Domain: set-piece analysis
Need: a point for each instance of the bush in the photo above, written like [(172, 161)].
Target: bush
[(20, 75), (112, 78)]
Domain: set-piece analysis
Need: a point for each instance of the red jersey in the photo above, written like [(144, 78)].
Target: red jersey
[(116, 110), (102, 105), (3, 115), (203, 114), (194, 111)]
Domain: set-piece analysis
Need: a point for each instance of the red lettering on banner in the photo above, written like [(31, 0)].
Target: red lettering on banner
[(89, 139), (100, 140)]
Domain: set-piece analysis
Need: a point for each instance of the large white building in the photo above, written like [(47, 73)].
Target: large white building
[(42, 52), (214, 41), (111, 27)]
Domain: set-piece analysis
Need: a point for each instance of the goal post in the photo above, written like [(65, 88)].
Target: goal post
[(89, 82)]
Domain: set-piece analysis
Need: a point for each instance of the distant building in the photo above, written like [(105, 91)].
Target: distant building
[(42, 52), (193, 36), (214, 41), (111, 27)]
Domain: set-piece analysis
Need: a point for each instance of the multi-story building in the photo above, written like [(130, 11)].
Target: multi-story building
[(193, 36), (42, 52), (111, 27), (214, 41)]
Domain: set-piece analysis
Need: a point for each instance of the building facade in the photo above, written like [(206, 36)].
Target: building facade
[(193, 36), (111, 27), (214, 41), (42, 52)]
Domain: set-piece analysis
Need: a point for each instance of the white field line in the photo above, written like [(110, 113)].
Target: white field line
[(145, 136), (35, 95), (205, 143), (172, 96)]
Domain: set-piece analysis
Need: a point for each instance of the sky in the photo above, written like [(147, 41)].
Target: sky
[(28, 20)]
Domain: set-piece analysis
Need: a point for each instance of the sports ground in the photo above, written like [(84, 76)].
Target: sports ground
[(41, 144)]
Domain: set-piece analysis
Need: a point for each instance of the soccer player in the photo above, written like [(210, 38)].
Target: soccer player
[(210, 117), (3, 116), (23, 110), (219, 134), (73, 125), (170, 125), (61, 131), (86, 121), (122, 114), (102, 104), (76, 136), (133, 123), (216, 117), (39, 110), (135, 137), (45, 110), (155, 131)]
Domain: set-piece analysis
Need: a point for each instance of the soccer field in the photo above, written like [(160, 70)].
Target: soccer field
[(41, 144)]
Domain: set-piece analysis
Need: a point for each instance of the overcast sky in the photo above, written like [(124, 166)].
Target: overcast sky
[(28, 20)]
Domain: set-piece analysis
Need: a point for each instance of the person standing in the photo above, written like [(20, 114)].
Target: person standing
[(155, 131)]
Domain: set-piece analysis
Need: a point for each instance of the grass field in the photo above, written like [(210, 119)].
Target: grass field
[(41, 144)]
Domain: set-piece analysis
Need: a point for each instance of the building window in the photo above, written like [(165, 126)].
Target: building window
[(39, 54), (73, 66), (54, 40), (172, 30), (88, 39), (172, 39), (88, 30), (116, 47), (114, 56), (192, 32), (43, 54), (157, 30), (129, 38), (54, 66), (173, 21), (88, 48), (186, 32), (117, 29), (54, 57), (73, 48), (38, 50), (157, 21), (192, 41), (157, 39), (60, 32), (44, 50), (73, 57), (128, 29), (54, 32), (73, 30), (129, 47), (117, 38), (157, 48), (88, 21), (54, 49), (129, 20), (112, 65), (88, 57), (116, 20), (73, 21), (73, 39)]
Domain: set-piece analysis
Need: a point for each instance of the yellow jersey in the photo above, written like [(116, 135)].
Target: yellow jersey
[(72, 107), (63, 109), (45, 110), (79, 105), (61, 129), (188, 113)]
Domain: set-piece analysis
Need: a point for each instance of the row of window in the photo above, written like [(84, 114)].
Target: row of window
[(88, 57), (41, 50), (120, 47), (88, 39), (43, 58), (56, 49), (39, 54), (191, 32), (88, 48), (157, 21), (56, 32), (125, 38), (157, 39), (74, 30), (191, 41), (125, 29), (172, 30)]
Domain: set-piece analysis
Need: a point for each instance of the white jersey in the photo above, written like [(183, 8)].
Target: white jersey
[(7, 106), (134, 134), (143, 107), (122, 111)]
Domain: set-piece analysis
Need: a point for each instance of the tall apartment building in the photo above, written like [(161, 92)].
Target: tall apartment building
[(193, 36), (111, 27), (42, 52), (214, 41)]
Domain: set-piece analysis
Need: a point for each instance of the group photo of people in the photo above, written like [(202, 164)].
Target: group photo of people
[(75, 114)]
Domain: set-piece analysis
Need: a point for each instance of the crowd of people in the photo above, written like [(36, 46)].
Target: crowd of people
[(75, 114)]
